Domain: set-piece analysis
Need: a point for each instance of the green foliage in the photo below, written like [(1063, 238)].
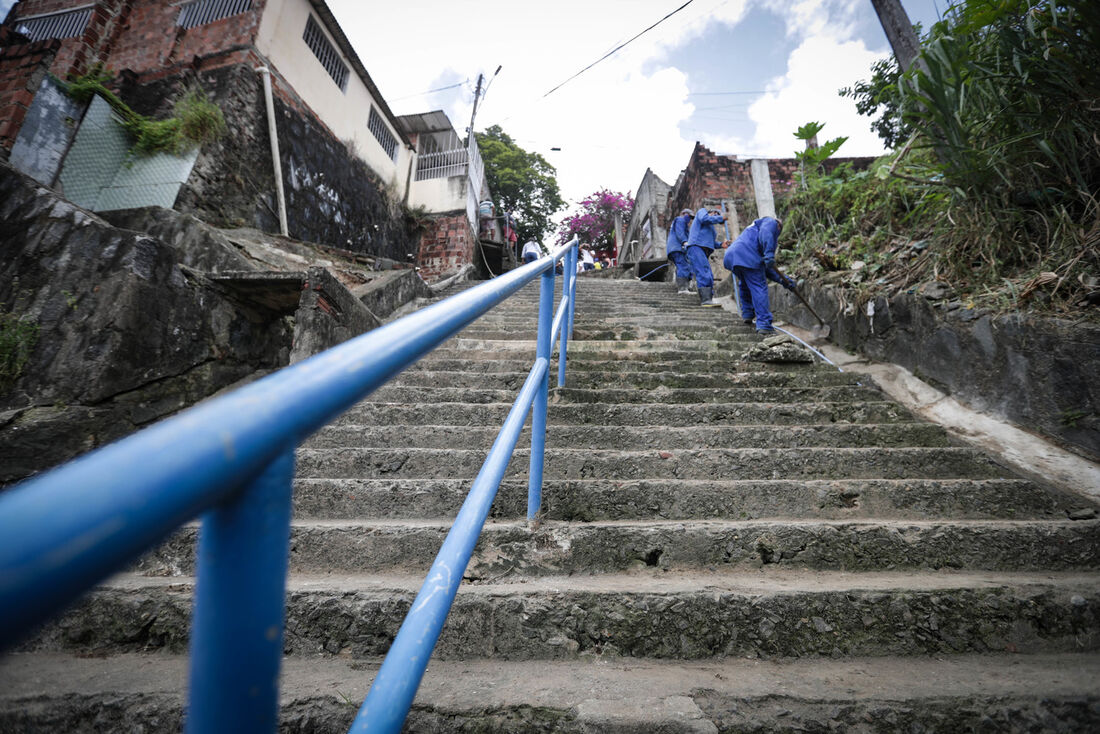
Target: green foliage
[(812, 158), (1001, 177), (522, 183), (880, 96), (18, 337), (197, 120)]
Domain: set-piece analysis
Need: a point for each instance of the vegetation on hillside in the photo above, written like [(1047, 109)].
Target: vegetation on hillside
[(995, 189), (521, 183)]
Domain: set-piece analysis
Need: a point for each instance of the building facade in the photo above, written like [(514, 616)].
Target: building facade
[(346, 163)]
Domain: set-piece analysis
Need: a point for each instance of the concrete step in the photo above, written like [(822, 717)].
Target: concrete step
[(428, 396), (723, 356), (649, 613), (587, 500), (627, 438), (713, 370), (590, 379), (732, 345), (555, 548), (802, 463), (973, 692), (703, 417)]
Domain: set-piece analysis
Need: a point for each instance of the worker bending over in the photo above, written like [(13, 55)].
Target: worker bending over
[(751, 259), (702, 239)]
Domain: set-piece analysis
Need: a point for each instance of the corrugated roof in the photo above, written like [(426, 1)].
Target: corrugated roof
[(425, 122)]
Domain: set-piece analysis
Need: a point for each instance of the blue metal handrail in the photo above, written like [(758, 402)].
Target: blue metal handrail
[(231, 460)]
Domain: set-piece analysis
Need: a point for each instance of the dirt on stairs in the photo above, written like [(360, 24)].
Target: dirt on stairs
[(725, 546)]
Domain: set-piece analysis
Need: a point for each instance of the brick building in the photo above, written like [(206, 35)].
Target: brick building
[(347, 164)]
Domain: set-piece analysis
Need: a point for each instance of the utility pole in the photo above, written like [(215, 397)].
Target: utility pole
[(477, 94), (899, 31)]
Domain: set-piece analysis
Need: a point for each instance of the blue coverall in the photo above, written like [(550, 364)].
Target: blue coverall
[(751, 259), (674, 246), (701, 242)]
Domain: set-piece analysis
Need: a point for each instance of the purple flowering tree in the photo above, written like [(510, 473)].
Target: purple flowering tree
[(594, 221)]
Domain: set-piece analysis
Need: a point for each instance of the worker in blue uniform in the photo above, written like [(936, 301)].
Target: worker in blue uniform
[(751, 259), (674, 249), (702, 239)]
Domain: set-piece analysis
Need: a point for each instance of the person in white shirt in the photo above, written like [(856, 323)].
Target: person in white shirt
[(587, 259), (531, 252)]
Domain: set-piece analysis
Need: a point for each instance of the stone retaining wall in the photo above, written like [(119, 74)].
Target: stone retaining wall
[(1040, 373)]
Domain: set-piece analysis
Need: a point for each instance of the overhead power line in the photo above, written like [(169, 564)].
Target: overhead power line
[(621, 45), (430, 91)]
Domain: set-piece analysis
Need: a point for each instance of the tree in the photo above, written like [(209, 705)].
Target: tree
[(880, 96), (594, 223), (521, 183)]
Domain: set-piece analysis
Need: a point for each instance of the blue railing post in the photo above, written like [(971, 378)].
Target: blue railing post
[(569, 272), (240, 601), (572, 294), (538, 409)]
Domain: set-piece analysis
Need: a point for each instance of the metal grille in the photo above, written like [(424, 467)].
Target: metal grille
[(68, 24), (382, 133), (326, 54), (201, 12)]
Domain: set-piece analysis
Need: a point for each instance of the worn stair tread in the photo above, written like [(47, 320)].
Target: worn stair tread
[(557, 547), (605, 499), (661, 582), (910, 434), (649, 693)]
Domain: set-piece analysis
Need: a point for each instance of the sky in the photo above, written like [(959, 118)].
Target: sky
[(740, 76)]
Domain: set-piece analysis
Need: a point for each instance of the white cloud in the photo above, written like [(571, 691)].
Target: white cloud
[(614, 120), (808, 92)]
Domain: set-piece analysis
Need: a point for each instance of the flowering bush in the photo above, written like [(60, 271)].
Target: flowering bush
[(594, 223)]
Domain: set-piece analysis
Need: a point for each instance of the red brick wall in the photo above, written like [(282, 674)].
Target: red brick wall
[(22, 68), (710, 178), (446, 246), (141, 35)]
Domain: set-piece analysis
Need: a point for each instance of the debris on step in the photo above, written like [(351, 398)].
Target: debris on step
[(778, 348)]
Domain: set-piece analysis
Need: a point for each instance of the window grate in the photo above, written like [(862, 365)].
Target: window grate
[(382, 133), (201, 12), (326, 54), (68, 24)]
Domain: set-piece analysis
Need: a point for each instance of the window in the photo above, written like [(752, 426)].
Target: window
[(201, 12), (326, 54), (67, 24), (378, 127)]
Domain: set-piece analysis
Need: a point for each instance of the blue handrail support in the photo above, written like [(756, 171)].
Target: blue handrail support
[(230, 461)]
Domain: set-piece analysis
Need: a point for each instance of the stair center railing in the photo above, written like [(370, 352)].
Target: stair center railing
[(231, 460)]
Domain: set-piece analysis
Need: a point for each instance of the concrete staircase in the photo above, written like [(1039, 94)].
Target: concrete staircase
[(724, 546)]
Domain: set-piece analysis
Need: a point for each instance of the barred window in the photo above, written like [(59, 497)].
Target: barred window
[(382, 133), (326, 54), (201, 12), (67, 24)]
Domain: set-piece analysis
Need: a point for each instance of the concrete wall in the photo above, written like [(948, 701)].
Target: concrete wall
[(1039, 373), (46, 133), (439, 194), (650, 205)]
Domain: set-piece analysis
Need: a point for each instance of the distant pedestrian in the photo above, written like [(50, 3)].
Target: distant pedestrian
[(531, 251), (751, 259), (702, 239), (674, 249), (587, 259)]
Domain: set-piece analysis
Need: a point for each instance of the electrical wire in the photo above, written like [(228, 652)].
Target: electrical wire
[(620, 46), (430, 91)]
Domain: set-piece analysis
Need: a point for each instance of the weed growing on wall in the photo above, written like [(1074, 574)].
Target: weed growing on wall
[(196, 119), (18, 337)]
